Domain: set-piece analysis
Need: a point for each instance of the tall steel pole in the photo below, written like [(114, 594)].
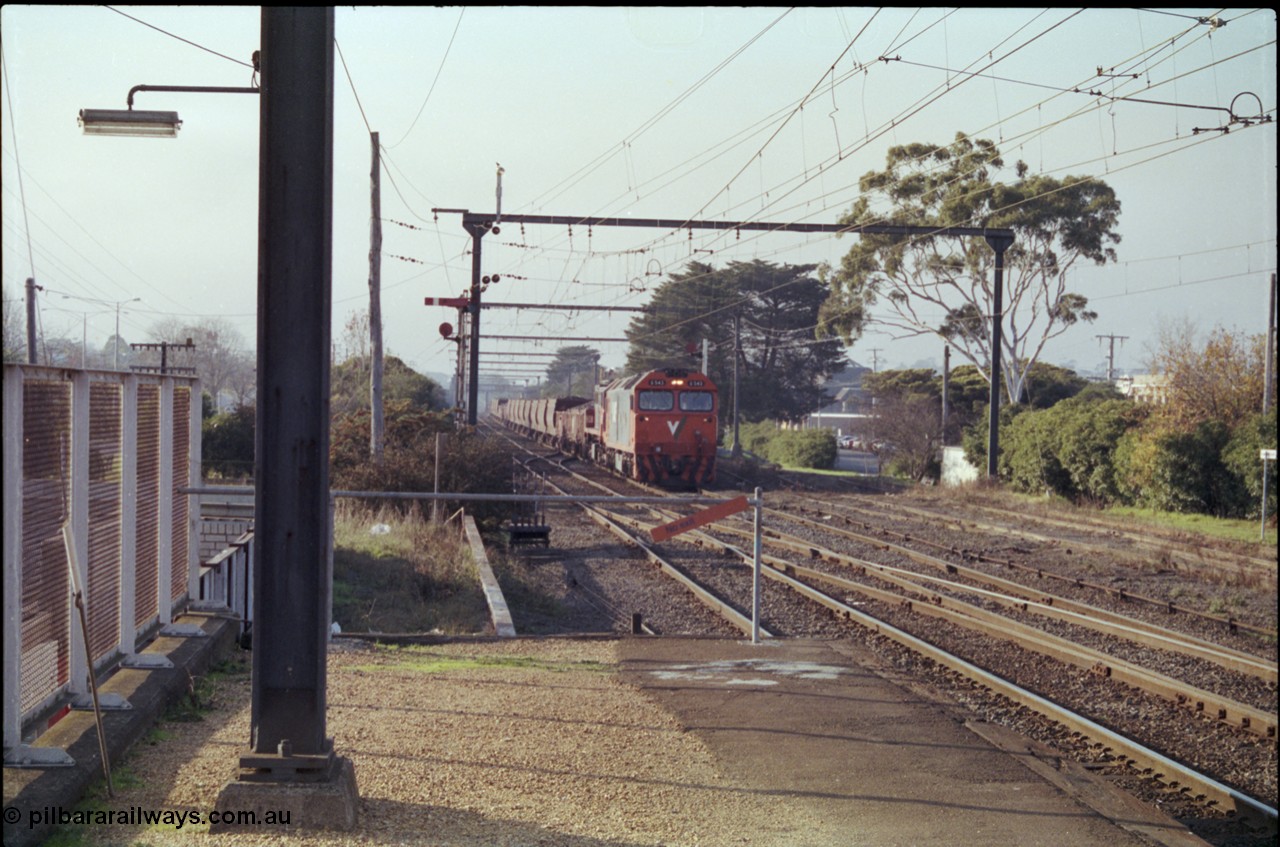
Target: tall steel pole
[(998, 243), (477, 230), (291, 475)]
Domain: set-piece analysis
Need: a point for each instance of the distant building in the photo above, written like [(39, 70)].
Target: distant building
[(850, 407), (1144, 388)]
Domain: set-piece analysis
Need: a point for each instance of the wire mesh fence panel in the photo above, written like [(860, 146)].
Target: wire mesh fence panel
[(76, 465), (45, 629), (147, 557), (105, 514), (181, 464)]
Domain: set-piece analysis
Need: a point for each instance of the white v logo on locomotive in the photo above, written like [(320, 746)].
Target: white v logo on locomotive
[(676, 426)]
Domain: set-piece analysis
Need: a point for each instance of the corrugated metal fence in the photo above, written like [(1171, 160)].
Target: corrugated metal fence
[(105, 453)]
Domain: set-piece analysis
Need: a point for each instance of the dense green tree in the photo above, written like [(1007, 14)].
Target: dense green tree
[(1056, 223), (227, 443), (349, 386), (773, 310), (572, 372), (913, 381), (1046, 385)]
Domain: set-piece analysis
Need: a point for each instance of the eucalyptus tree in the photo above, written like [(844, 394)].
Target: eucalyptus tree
[(943, 286)]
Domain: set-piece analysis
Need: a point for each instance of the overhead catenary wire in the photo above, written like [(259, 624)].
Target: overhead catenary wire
[(179, 38), (13, 128), (439, 70)]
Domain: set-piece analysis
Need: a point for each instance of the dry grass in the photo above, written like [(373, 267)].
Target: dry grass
[(402, 573)]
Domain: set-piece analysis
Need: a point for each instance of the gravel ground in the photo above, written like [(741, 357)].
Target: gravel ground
[(524, 742)]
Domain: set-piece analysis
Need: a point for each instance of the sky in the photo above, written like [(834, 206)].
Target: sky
[(759, 114)]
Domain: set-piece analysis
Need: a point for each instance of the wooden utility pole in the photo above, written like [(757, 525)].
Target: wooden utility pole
[(1111, 353), (375, 305), (31, 322)]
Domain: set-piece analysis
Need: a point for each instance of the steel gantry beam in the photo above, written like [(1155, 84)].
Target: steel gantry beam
[(1000, 239)]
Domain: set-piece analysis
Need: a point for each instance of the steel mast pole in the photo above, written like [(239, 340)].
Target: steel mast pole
[(999, 243)]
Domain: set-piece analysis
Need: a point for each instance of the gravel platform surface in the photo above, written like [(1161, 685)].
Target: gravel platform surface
[(527, 742)]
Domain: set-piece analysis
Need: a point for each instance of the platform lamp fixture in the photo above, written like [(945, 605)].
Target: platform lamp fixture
[(136, 123)]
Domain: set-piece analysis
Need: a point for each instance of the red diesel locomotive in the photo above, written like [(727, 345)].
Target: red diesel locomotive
[(659, 427)]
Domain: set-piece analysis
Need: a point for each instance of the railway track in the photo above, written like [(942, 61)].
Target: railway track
[(1114, 688)]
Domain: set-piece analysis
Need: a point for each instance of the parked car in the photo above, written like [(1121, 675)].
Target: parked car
[(846, 442)]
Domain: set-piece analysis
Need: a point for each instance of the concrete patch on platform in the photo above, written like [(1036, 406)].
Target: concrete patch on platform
[(747, 672)]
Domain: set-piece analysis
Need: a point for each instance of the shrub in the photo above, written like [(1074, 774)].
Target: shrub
[(1176, 470), (1241, 459), (469, 462), (813, 448), (1069, 448), (226, 443)]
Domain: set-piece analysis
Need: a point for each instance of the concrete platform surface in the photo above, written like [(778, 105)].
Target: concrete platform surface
[(872, 762)]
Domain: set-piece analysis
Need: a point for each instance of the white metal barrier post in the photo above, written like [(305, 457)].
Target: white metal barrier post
[(77, 518), (755, 574)]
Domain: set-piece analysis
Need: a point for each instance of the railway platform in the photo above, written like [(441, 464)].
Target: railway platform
[(871, 761)]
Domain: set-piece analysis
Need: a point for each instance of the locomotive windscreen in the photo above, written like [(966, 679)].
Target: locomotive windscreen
[(656, 401), (696, 401)]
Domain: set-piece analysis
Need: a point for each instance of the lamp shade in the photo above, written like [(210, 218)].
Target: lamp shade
[(128, 122)]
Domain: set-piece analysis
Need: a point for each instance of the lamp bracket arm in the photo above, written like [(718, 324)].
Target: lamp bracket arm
[(205, 89)]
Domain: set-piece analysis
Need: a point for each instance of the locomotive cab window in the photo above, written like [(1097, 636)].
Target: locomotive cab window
[(696, 401), (656, 401)]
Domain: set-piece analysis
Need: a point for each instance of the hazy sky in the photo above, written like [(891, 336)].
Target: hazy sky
[(738, 114)]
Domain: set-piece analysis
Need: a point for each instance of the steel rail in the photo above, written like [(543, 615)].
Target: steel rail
[(1131, 752), (1161, 767), (702, 594), (1230, 712), (1239, 715), (1266, 567), (1231, 623), (1089, 612)]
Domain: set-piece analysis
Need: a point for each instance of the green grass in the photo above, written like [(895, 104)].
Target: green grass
[(419, 660), (1242, 531), (95, 800)]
